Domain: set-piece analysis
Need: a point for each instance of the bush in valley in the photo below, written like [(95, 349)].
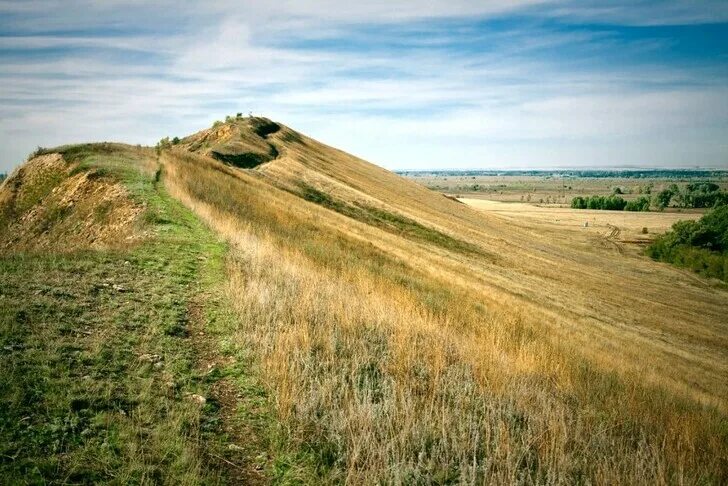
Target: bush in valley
[(613, 203), (663, 198), (646, 189), (599, 202), (699, 245), (641, 204)]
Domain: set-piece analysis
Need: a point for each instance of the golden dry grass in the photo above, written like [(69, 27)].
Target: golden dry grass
[(547, 356), (600, 222)]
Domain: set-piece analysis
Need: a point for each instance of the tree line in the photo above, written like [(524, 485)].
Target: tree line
[(614, 203), (692, 195), (578, 174)]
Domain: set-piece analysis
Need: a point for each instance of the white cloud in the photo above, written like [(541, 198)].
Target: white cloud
[(428, 105)]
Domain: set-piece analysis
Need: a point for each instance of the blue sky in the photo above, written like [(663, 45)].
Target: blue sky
[(408, 85)]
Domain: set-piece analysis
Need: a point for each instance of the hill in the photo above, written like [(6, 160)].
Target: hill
[(365, 328)]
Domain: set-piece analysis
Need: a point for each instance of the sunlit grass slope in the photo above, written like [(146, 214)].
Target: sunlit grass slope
[(405, 337)]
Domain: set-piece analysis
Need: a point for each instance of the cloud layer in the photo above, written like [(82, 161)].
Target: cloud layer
[(408, 85)]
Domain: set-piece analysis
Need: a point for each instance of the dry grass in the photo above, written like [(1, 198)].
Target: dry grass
[(630, 223), (393, 360)]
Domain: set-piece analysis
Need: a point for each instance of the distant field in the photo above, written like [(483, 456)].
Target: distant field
[(629, 225), (547, 189)]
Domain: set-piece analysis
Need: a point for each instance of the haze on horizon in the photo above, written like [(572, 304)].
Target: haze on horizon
[(411, 85)]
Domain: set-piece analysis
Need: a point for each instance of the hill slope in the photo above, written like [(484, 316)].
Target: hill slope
[(568, 284), (404, 337)]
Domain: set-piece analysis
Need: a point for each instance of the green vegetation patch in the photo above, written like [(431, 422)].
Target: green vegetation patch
[(264, 127), (246, 160), (699, 245), (100, 374), (614, 203), (693, 195), (639, 204), (394, 223), (81, 152)]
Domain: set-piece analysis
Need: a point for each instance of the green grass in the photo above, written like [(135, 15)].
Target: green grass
[(98, 359)]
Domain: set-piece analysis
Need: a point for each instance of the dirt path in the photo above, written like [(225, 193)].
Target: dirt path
[(242, 454), (613, 237)]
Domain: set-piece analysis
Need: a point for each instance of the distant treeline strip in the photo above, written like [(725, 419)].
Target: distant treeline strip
[(623, 174), (614, 203), (693, 195)]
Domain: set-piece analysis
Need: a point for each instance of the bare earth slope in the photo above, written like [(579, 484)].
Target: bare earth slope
[(48, 200), (615, 363)]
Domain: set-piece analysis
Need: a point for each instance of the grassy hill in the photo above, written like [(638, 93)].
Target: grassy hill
[(361, 329)]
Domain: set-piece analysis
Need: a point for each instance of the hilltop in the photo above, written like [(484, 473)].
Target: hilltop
[(253, 305)]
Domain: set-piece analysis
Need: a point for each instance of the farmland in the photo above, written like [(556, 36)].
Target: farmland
[(558, 187), (634, 227)]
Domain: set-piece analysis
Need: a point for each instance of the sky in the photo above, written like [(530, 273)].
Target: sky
[(409, 85)]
